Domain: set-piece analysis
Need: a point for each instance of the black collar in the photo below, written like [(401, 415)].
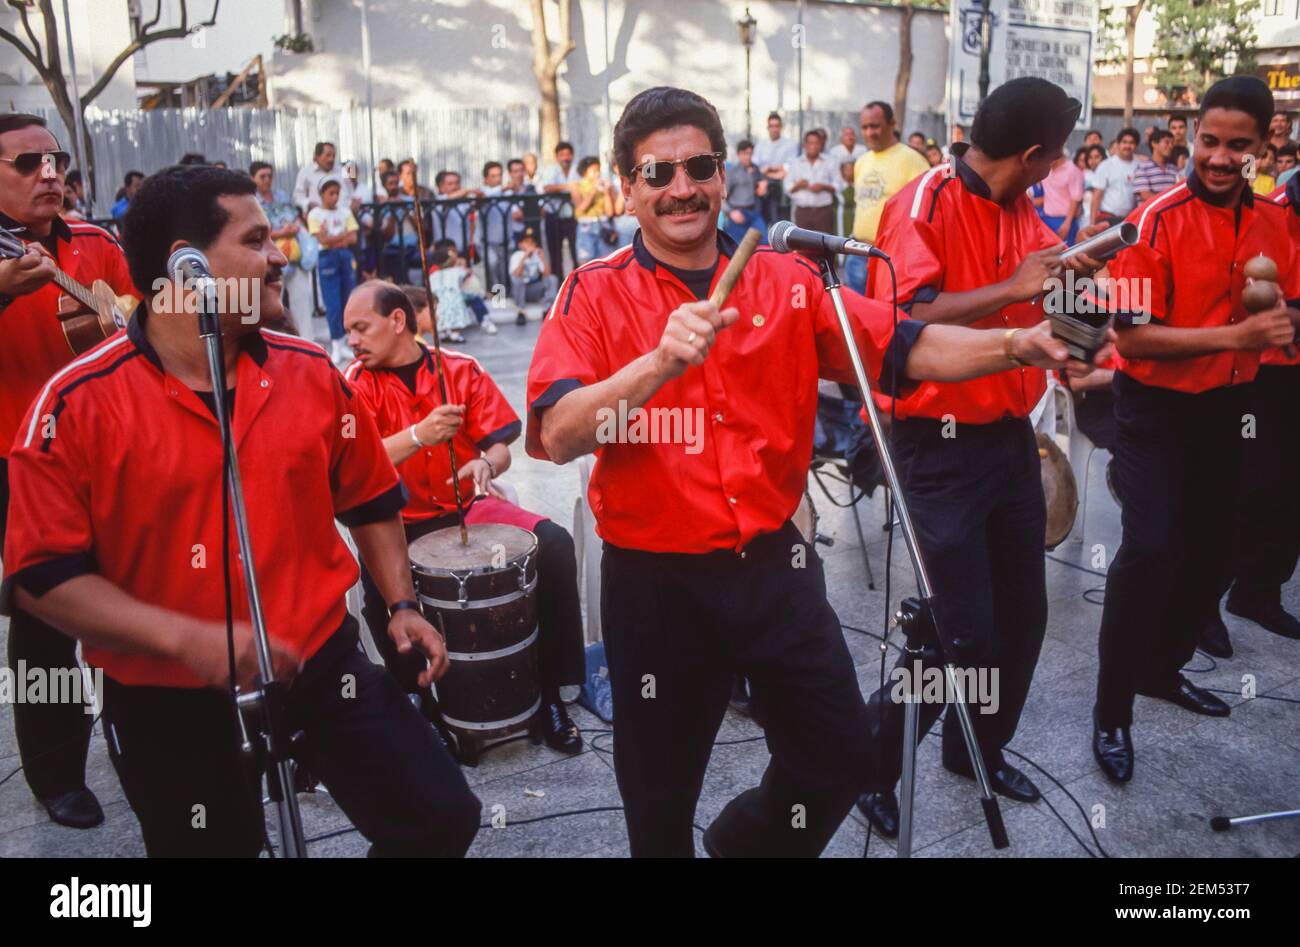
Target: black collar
[(970, 179), (726, 247), (1198, 189), (254, 343), (58, 228)]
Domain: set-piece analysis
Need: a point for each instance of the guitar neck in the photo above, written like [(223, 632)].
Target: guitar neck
[(74, 289)]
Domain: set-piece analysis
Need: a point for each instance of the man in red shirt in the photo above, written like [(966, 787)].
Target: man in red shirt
[(1181, 393), (395, 377), (702, 422), (52, 737), (970, 249), (120, 536)]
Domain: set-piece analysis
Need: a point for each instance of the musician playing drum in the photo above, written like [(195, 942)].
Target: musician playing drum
[(52, 737), (970, 250), (395, 377), (703, 573), (117, 537)]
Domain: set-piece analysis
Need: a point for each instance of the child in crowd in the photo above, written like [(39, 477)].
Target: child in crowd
[(336, 229)]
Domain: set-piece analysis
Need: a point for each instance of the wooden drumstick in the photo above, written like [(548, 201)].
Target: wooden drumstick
[(737, 263)]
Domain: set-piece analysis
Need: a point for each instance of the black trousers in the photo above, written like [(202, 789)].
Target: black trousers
[(1267, 541), (677, 629), (176, 752), (976, 501), (1176, 472), (559, 615), (53, 738), (558, 231)]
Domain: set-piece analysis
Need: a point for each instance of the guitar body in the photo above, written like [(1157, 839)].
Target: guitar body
[(85, 327)]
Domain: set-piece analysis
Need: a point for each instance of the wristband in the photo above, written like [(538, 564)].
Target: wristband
[(1006, 348), (492, 470), (416, 437), (406, 604)]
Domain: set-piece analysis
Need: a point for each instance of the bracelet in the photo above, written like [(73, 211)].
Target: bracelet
[(416, 437), (492, 470), (1006, 348), (406, 604)]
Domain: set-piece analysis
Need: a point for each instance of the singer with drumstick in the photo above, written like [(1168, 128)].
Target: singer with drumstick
[(704, 576), (120, 537), (1182, 388)]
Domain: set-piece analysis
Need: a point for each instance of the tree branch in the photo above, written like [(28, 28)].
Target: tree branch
[(27, 26), (144, 39), (22, 48), (157, 15)]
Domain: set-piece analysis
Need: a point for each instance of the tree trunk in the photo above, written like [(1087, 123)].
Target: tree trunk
[(546, 69), (1130, 35), (904, 77)]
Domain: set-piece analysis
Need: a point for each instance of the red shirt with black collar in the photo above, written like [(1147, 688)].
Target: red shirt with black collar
[(721, 455), (1282, 197), (946, 234), (1192, 252), (34, 346), (489, 420), (117, 471)]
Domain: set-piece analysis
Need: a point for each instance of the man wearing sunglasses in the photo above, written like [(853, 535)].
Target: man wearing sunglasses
[(704, 576), (52, 737)]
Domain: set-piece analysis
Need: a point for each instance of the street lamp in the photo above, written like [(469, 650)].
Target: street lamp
[(747, 24)]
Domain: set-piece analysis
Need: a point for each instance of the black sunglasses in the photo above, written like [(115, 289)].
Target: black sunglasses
[(29, 161), (701, 168)]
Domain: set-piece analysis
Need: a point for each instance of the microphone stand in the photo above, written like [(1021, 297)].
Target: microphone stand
[(265, 703), (915, 618)]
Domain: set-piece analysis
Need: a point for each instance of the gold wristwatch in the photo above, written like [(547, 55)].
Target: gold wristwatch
[(1010, 353)]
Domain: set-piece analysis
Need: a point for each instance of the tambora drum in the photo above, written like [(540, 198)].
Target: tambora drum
[(482, 596)]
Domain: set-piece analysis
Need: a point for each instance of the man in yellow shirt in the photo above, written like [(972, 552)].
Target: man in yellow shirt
[(878, 175)]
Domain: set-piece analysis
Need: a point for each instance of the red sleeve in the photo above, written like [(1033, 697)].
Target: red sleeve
[(490, 419), (884, 351), (362, 478), (119, 277), (916, 247), (570, 353), (50, 537)]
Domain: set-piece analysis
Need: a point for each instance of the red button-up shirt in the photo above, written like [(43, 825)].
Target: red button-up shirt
[(1193, 253), (946, 234), (117, 471), (1281, 197), (32, 344), (489, 420), (739, 427)]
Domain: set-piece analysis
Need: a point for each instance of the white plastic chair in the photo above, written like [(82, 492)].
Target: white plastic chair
[(586, 545)]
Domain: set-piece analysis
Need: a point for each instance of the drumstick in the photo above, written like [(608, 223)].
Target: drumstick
[(737, 263)]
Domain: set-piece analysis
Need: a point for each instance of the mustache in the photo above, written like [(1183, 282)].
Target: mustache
[(673, 205), (273, 274)]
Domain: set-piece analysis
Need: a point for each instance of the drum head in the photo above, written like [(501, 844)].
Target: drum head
[(491, 546), (1059, 490)]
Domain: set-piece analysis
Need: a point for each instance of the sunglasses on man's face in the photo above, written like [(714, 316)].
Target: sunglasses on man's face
[(29, 161), (700, 168)]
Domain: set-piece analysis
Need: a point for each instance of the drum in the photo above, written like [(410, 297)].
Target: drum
[(483, 597), (1059, 490)]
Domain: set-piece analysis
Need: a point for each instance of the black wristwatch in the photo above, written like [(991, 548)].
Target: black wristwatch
[(403, 605)]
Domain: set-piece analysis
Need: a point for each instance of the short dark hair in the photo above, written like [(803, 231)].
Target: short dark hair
[(389, 297), (1097, 148), (1247, 94), (12, 121), (259, 166), (192, 157), (388, 174), (1092, 131), (132, 176), (176, 203), (814, 133), (1180, 151), (664, 107), (320, 148), (1022, 113), (404, 162), (489, 166), (586, 163), (514, 161), (744, 145), (884, 107), (73, 177), (1290, 149), (562, 145), (1177, 118), (1129, 133), (1160, 134), (775, 115), (1271, 148), (326, 184), (442, 176)]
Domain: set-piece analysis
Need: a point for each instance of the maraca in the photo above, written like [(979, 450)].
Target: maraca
[(1262, 292)]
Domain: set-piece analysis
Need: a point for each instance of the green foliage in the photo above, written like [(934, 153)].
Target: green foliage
[(291, 43), (1195, 36)]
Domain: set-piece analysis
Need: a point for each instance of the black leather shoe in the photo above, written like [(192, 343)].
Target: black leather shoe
[(881, 810), (1270, 616), (1190, 697), (1113, 750), (1006, 780), (553, 725), (520, 318), (1214, 637), (78, 809)]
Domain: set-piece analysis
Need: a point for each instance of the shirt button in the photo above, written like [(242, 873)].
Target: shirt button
[(265, 383), (758, 321), (173, 392), (718, 417), (743, 554), (731, 500)]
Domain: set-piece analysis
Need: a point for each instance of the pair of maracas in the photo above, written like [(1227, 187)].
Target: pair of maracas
[(1262, 292)]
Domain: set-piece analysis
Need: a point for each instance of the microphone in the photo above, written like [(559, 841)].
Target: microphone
[(785, 237), (188, 265)]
